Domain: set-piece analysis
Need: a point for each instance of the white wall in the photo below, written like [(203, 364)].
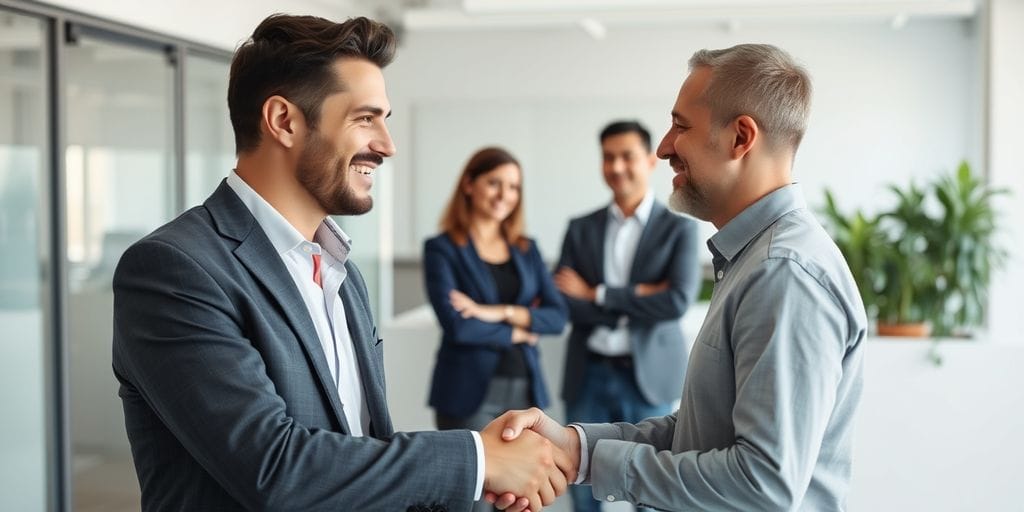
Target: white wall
[(1006, 109), (889, 104)]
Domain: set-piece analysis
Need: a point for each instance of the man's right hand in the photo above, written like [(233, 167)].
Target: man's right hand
[(528, 466), (566, 439), (520, 335), (647, 289)]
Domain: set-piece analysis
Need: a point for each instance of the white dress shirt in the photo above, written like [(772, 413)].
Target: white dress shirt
[(324, 304), (621, 238)]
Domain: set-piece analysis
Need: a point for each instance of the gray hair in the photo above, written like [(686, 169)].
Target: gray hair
[(763, 82)]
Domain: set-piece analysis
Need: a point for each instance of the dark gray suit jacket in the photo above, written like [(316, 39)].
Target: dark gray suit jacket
[(667, 251), (228, 401)]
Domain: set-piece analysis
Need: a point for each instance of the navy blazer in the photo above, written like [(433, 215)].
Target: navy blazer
[(228, 401), (471, 348)]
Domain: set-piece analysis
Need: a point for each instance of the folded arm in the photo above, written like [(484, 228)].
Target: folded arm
[(439, 274), (643, 303), (669, 301)]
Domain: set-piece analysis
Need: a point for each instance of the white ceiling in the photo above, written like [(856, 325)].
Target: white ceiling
[(594, 16)]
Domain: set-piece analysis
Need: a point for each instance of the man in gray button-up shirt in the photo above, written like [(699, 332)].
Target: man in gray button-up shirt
[(775, 375)]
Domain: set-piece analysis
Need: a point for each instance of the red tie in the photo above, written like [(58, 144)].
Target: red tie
[(316, 271)]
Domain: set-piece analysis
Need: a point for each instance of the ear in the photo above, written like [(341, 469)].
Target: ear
[(466, 186), (746, 133), (283, 121)]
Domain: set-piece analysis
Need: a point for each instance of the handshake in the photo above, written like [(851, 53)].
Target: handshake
[(530, 460)]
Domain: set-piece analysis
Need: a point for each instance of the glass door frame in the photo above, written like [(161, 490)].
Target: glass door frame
[(64, 26)]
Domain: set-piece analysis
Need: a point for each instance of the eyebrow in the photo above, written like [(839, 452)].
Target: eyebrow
[(370, 109), (679, 118)]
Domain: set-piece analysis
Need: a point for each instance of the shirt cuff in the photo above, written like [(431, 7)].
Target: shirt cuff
[(584, 466), (599, 293), (479, 489)]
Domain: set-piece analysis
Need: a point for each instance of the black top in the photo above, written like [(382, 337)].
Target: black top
[(506, 278)]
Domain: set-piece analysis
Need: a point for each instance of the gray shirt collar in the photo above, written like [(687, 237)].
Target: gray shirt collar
[(738, 232)]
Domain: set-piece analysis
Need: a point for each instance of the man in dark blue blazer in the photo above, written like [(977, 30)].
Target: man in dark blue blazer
[(250, 369), (629, 271)]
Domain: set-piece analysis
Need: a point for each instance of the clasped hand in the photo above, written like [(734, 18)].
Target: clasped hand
[(531, 459)]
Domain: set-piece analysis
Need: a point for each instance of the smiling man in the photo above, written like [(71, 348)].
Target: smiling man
[(766, 417), (250, 369)]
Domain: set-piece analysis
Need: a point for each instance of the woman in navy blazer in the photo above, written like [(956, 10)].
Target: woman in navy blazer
[(493, 296)]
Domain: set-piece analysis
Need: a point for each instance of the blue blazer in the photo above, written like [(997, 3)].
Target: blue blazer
[(471, 348)]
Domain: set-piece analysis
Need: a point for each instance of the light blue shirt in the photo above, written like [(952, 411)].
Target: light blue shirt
[(774, 380), (621, 238)]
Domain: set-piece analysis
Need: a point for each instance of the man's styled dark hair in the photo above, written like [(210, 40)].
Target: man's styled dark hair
[(620, 127), (292, 56)]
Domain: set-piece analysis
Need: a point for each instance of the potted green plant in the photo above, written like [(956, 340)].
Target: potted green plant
[(926, 263)]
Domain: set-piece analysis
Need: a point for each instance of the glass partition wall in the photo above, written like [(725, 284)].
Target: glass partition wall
[(106, 132), (209, 139), (26, 440), (119, 181)]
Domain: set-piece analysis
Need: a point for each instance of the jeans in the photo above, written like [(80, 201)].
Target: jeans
[(609, 394)]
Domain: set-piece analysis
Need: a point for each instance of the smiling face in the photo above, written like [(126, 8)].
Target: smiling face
[(494, 195), (626, 165), (697, 152), (350, 142)]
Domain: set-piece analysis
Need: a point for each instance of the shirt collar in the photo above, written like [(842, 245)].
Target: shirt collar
[(739, 231), (283, 236), (642, 213)]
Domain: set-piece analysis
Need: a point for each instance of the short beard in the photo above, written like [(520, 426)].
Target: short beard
[(323, 175), (691, 201), (691, 198)]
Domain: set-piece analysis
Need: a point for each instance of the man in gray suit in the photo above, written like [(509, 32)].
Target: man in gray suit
[(628, 271), (775, 375), (250, 369)]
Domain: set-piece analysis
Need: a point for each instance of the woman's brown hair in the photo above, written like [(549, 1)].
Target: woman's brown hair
[(456, 219)]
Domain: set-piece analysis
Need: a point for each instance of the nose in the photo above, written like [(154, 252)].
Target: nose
[(665, 149), (618, 164), (382, 143)]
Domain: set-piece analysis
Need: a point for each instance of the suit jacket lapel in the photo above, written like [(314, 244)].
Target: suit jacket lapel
[(258, 255), (361, 331), (479, 273), (526, 290), (647, 237), (598, 232)]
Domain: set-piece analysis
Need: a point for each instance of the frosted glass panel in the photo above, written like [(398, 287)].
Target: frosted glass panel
[(23, 149), (120, 169), (209, 140)]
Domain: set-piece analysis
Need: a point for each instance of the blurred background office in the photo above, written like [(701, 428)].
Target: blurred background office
[(113, 120)]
